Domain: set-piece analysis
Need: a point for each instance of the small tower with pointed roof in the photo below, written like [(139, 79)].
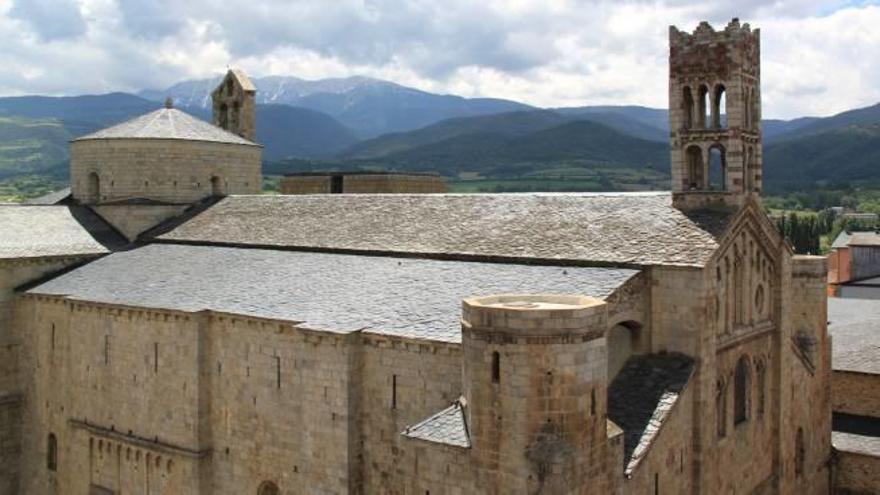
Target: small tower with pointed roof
[(234, 105)]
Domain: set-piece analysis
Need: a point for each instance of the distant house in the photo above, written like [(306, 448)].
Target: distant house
[(862, 218), (854, 265)]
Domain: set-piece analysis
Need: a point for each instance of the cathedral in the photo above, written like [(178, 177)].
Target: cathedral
[(166, 329)]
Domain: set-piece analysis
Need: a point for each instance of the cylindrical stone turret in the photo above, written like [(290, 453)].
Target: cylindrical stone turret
[(534, 379)]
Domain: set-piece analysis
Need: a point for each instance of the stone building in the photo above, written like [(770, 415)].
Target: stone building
[(151, 168), (362, 182), (854, 265), (715, 114), (439, 344), (854, 324)]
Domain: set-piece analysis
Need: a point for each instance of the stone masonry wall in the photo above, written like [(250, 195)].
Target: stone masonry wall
[(855, 393), (125, 373), (667, 468), (856, 473), (746, 448), (805, 432), (132, 220), (12, 274), (152, 401), (365, 184), (167, 170), (279, 407), (405, 381)]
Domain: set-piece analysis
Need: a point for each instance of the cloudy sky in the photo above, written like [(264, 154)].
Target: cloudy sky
[(819, 58)]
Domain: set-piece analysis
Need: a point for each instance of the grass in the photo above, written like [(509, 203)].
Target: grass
[(28, 186)]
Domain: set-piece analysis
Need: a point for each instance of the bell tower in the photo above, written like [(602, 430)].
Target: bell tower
[(715, 115), (234, 105)]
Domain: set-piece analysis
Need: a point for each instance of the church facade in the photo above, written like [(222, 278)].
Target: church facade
[(621, 343)]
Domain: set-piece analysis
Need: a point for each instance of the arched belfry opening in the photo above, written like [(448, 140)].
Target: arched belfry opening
[(717, 168), (235, 118), (695, 168), (719, 107), (93, 188), (223, 116), (703, 116), (688, 100)]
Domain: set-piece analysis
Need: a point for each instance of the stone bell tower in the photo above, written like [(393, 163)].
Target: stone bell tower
[(234, 105), (715, 115)]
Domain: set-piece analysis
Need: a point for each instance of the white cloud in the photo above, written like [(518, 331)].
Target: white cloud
[(817, 56)]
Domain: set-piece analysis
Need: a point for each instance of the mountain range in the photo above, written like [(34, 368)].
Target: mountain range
[(362, 122), (369, 107)]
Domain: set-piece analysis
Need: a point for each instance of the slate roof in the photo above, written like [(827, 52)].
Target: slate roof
[(167, 123), (859, 444), (52, 198), (407, 297), (448, 427), (599, 228), (641, 397), (864, 239), (842, 240), (243, 80), (867, 282), (854, 325), (40, 231)]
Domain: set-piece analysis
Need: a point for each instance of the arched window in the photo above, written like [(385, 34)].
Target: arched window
[(224, 116), (799, 452), (717, 168), (93, 188), (741, 391), (52, 453), (216, 186), (719, 107), (739, 313), (694, 158), (496, 367), (229, 86), (688, 99), (703, 117), (268, 488), (761, 375), (721, 408)]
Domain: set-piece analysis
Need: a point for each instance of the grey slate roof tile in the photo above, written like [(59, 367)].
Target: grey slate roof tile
[(599, 228), (336, 292), (167, 123), (854, 324), (447, 427), (641, 397), (52, 198), (859, 444), (39, 231)]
